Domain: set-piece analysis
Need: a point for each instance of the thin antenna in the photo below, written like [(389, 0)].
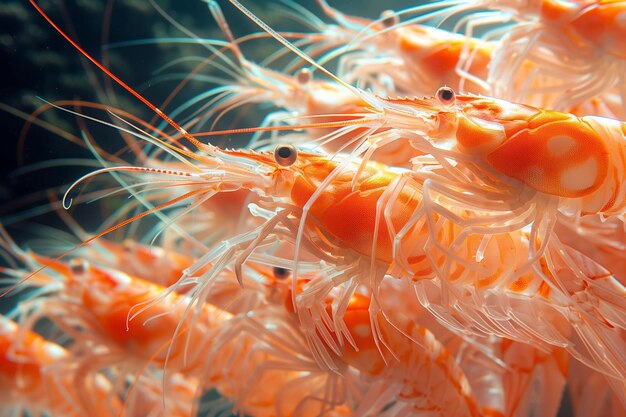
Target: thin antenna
[(159, 112)]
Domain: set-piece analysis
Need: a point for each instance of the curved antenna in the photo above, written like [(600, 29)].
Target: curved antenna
[(201, 146)]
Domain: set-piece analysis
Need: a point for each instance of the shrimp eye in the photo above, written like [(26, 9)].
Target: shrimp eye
[(285, 155), (446, 95), (389, 18), (304, 76), (78, 266), (281, 273)]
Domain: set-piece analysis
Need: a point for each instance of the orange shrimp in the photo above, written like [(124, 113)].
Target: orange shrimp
[(38, 377), (576, 161), (577, 43), (417, 58), (411, 352), (368, 220), (120, 314)]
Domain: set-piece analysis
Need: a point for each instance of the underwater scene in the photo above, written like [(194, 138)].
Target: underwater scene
[(313, 208)]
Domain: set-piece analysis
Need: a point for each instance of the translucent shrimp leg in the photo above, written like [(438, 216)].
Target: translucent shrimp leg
[(426, 376)]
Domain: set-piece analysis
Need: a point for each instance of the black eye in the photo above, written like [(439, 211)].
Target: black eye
[(389, 18), (78, 266), (304, 76), (285, 155), (281, 273), (446, 95)]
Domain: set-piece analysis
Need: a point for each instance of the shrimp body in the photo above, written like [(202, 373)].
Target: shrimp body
[(416, 57)]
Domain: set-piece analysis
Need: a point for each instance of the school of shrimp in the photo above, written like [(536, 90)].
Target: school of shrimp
[(429, 221)]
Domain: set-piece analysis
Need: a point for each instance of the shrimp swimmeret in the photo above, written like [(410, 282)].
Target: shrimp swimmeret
[(369, 220)]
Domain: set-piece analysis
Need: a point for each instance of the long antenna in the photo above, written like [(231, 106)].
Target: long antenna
[(199, 145)]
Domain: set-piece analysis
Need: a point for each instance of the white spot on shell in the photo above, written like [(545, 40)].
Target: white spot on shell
[(55, 351), (620, 19), (560, 145), (7, 326), (362, 330), (581, 176)]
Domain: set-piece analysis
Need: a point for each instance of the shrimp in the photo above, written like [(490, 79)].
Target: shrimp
[(416, 57), (369, 220), (577, 162), (114, 311), (37, 377), (576, 43)]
